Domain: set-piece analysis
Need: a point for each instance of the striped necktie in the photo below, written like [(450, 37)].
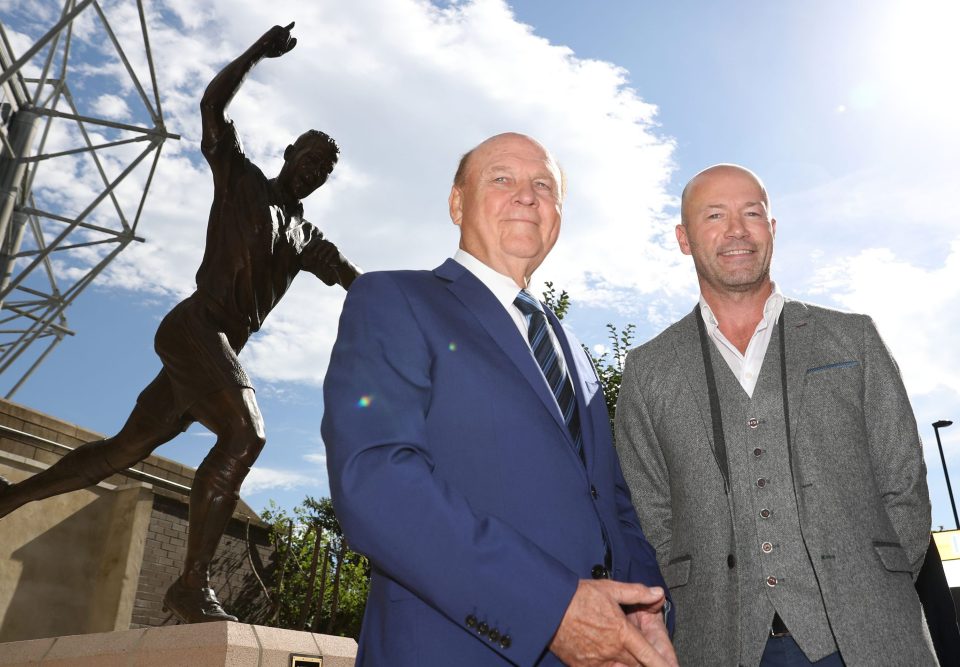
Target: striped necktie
[(547, 356)]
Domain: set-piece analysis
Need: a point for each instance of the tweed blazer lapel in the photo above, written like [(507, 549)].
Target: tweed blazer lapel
[(800, 343), (686, 343)]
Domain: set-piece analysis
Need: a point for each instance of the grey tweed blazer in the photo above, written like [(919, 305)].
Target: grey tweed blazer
[(858, 472)]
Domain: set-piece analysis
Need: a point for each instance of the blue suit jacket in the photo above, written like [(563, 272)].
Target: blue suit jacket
[(451, 468)]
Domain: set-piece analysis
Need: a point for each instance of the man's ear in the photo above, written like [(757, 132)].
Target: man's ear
[(455, 202), (682, 239), (773, 227), (288, 153)]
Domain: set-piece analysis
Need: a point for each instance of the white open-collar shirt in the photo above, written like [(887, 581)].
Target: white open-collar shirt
[(746, 366)]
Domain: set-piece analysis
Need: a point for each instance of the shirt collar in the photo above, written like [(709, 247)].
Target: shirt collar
[(503, 287), (771, 310)]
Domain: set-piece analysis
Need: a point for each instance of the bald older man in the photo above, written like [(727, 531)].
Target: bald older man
[(469, 451), (774, 460)]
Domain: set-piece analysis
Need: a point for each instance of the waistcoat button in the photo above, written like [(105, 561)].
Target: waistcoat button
[(771, 581), (766, 547), (753, 422)]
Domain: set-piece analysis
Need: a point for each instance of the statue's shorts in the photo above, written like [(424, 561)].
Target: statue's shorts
[(199, 358)]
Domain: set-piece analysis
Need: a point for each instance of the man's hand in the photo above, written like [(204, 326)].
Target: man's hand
[(652, 626), (596, 631), (277, 40)]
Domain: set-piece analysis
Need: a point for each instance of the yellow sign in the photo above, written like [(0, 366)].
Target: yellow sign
[(948, 544)]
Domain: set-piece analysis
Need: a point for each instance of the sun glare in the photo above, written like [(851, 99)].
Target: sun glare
[(919, 51)]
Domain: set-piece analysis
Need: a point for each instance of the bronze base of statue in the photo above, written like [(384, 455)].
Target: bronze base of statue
[(194, 605)]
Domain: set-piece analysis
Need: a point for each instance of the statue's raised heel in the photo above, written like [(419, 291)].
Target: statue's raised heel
[(194, 605)]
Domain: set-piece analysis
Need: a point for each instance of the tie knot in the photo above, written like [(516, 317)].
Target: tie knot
[(526, 303)]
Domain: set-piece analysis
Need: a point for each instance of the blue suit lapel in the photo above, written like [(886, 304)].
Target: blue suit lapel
[(475, 296)]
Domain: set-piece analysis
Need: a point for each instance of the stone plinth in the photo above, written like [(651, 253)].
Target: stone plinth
[(207, 644)]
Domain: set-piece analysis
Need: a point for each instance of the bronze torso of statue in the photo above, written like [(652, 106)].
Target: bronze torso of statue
[(257, 242)]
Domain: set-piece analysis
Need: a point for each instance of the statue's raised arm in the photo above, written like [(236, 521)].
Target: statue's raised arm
[(213, 106)]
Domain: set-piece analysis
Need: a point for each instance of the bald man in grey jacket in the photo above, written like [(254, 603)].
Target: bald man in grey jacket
[(774, 460)]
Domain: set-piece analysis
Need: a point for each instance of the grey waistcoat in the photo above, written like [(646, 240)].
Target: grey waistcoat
[(774, 566)]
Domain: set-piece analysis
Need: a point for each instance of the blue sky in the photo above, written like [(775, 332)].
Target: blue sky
[(845, 110)]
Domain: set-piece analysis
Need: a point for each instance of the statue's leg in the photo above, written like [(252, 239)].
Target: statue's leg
[(92, 462), (232, 414)]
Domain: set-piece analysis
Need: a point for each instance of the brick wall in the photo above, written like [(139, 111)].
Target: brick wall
[(231, 573)]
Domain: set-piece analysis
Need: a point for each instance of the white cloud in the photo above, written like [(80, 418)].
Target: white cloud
[(112, 106), (320, 458), (405, 87), (265, 479)]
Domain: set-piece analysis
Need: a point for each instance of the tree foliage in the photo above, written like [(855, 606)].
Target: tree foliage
[(558, 303), (319, 584), (609, 365)]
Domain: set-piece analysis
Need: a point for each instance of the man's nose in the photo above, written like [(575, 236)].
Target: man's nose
[(736, 227), (525, 194)]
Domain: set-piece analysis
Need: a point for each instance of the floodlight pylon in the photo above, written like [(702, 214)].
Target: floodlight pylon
[(49, 250)]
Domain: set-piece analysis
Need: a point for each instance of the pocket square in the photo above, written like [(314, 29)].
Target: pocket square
[(839, 364)]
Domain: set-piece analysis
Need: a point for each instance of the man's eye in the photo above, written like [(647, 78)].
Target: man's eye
[(543, 185), (500, 179), (714, 216)]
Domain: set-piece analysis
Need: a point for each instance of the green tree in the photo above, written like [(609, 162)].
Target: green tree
[(558, 303), (318, 583), (609, 365)]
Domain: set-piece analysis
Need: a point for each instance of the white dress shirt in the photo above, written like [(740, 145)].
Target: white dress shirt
[(746, 367)]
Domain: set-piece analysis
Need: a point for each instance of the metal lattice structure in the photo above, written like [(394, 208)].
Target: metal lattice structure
[(53, 246)]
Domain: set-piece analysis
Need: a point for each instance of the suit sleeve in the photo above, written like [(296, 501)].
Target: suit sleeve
[(644, 468), (415, 528), (895, 448)]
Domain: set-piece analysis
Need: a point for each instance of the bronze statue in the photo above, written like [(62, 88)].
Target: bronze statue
[(257, 242)]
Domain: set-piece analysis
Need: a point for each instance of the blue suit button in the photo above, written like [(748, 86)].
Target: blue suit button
[(593, 492), (471, 621), (482, 630), (494, 635), (599, 572), (505, 641)]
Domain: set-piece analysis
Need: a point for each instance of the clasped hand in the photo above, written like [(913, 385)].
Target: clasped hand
[(595, 630)]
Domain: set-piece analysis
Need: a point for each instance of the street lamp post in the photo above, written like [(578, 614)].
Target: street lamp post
[(937, 425)]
